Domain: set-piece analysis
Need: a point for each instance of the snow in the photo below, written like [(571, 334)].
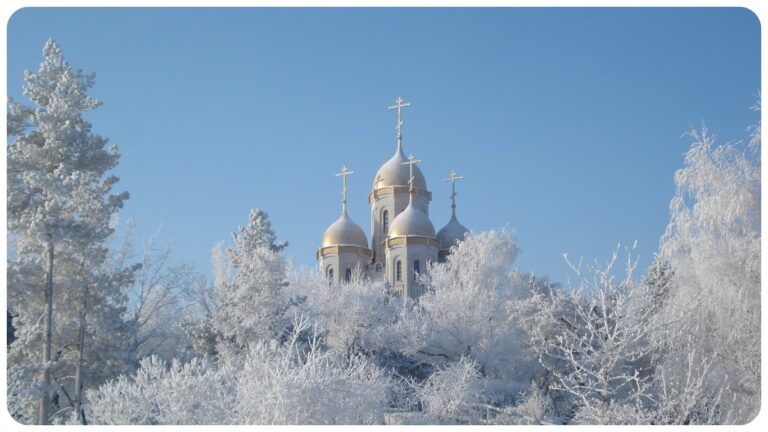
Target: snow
[(264, 343)]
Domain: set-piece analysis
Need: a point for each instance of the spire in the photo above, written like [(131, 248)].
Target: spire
[(399, 104), (343, 174), (411, 162), (453, 178)]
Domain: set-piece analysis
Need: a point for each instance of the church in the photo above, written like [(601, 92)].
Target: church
[(403, 237)]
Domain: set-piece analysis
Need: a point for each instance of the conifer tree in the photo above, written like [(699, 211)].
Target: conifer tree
[(60, 194), (250, 299)]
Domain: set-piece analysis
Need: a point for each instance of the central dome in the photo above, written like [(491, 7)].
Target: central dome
[(344, 232), (394, 173), (412, 222)]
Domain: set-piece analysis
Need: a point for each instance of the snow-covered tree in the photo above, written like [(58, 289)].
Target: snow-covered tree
[(59, 189), (272, 383), (453, 394), (595, 343), (467, 308), (162, 304), (712, 244), (535, 408), (354, 317), (250, 302)]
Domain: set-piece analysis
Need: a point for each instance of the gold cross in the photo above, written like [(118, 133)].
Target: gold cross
[(399, 104), (453, 178), (411, 162), (343, 174)]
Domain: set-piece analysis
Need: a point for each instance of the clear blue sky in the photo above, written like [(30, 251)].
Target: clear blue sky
[(566, 123)]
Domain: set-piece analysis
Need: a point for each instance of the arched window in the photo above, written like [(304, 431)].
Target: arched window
[(416, 267), (399, 271), (330, 273), (378, 267), (385, 221), (347, 275)]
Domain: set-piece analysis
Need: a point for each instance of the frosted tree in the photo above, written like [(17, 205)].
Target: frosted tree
[(453, 394), (205, 296), (467, 309), (353, 317), (595, 343), (251, 302), (535, 408), (712, 244), (59, 196), (269, 383), (162, 303)]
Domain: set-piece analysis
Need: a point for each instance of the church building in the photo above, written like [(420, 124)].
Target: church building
[(403, 238)]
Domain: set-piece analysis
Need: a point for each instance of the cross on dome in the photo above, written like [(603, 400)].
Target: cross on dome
[(411, 162), (399, 104), (343, 174), (453, 178)]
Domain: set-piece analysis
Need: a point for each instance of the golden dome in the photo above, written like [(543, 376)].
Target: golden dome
[(394, 173), (344, 232), (451, 233), (411, 222)]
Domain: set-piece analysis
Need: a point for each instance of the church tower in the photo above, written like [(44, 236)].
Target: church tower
[(453, 232), (410, 243), (403, 239), (344, 245), (390, 196)]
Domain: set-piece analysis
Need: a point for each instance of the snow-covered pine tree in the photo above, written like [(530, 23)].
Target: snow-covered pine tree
[(250, 302), (58, 186)]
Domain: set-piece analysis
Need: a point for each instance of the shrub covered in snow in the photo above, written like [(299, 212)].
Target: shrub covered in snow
[(291, 383)]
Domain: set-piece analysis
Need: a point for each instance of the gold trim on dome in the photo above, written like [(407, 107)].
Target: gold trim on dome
[(411, 240), (326, 251)]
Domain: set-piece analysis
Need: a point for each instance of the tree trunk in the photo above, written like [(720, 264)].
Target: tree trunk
[(80, 349), (45, 401)]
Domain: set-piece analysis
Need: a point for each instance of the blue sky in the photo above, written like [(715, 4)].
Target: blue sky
[(566, 123)]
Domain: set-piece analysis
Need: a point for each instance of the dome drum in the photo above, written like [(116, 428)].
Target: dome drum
[(411, 240), (390, 190)]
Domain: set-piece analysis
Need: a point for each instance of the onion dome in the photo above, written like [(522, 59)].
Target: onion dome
[(344, 232), (394, 173), (451, 233), (412, 222)]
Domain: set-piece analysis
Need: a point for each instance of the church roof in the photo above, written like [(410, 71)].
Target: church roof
[(451, 233), (412, 222), (344, 232), (394, 173)]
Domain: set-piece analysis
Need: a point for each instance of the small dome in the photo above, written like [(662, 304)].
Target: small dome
[(451, 233), (394, 173), (412, 222), (344, 232)]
